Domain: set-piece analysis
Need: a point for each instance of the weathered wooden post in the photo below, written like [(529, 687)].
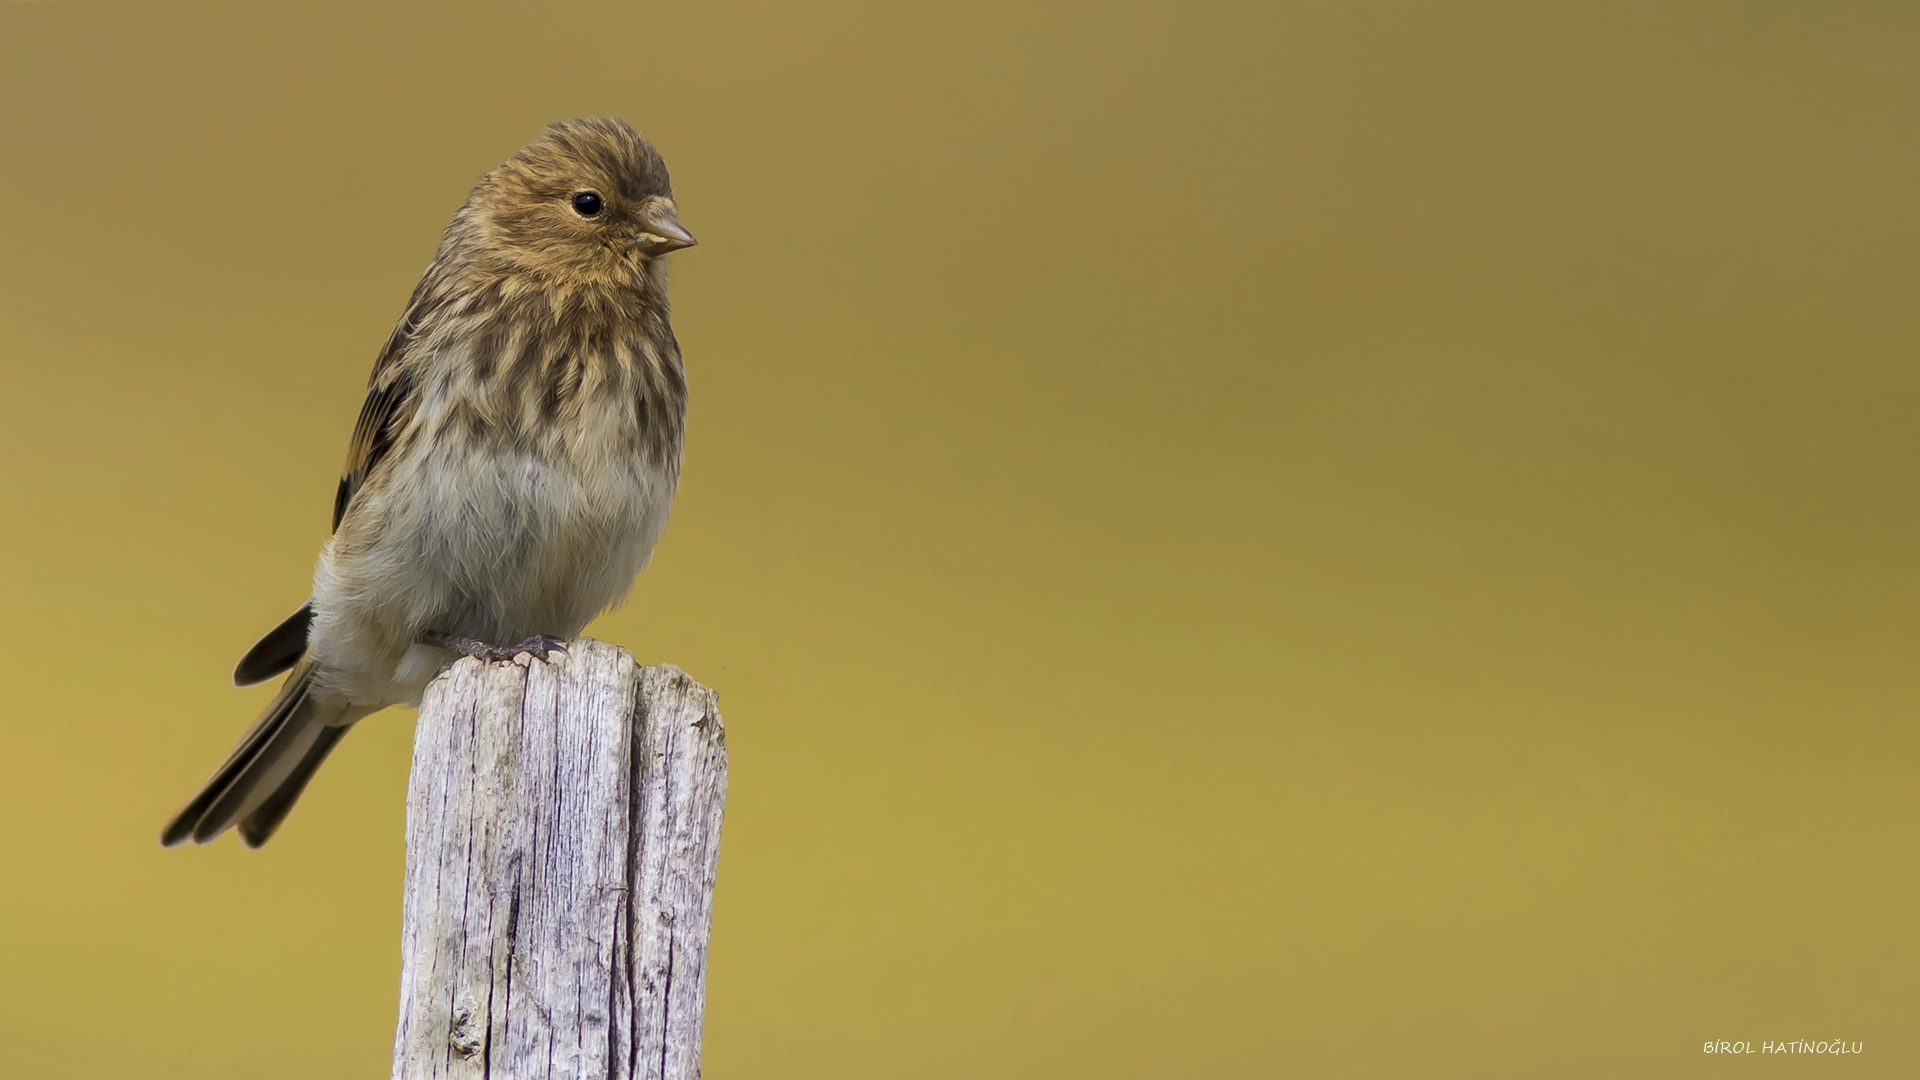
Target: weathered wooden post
[(563, 828)]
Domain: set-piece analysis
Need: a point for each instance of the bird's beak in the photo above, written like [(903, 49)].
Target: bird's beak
[(661, 232)]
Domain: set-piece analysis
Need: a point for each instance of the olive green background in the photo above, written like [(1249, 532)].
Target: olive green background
[(1236, 540)]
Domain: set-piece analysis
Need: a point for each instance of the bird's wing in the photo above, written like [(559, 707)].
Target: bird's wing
[(279, 650), (389, 406)]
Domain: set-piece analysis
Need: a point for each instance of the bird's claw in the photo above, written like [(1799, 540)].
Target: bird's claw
[(540, 646)]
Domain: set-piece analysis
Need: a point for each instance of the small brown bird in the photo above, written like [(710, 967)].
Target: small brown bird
[(511, 469)]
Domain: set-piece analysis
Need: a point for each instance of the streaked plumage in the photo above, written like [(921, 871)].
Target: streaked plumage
[(512, 466)]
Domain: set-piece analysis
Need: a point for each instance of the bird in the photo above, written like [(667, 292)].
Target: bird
[(511, 469)]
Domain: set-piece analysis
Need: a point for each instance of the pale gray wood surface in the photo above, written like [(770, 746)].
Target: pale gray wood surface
[(563, 829)]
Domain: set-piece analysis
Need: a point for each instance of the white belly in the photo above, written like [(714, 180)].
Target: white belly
[(479, 542)]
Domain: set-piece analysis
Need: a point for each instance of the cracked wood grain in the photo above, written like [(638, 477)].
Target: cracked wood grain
[(563, 830)]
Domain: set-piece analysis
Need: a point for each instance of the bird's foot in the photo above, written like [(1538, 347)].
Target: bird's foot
[(539, 645)]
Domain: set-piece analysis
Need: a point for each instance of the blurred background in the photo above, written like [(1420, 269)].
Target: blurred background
[(1235, 539)]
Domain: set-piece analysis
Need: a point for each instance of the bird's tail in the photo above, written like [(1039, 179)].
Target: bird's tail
[(268, 770)]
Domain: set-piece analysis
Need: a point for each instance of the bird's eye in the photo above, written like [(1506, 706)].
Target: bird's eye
[(587, 203)]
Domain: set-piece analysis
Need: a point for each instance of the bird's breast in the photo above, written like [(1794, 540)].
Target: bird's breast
[(540, 530), (494, 533)]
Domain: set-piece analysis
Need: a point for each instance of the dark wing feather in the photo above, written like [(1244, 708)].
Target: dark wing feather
[(386, 413), (278, 651), (389, 405)]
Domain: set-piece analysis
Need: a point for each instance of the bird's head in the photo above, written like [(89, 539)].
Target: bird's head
[(587, 203)]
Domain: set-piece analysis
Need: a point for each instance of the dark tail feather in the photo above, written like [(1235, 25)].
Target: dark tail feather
[(256, 828), (269, 768)]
